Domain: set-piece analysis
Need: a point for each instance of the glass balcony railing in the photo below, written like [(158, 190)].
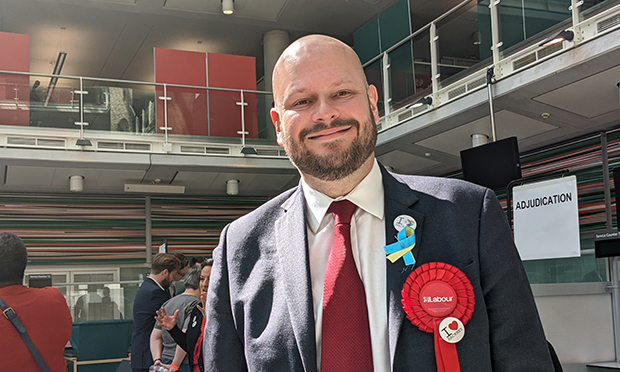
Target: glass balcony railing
[(135, 108), (449, 56), (456, 46), (462, 36)]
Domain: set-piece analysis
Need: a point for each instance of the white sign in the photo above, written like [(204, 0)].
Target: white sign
[(546, 219), (163, 248)]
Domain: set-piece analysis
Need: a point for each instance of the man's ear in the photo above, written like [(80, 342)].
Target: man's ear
[(373, 97), (275, 118)]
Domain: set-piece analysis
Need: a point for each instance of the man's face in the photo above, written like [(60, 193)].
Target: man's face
[(326, 115), (179, 274)]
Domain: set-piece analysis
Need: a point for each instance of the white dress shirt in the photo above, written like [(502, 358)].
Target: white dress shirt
[(367, 242)]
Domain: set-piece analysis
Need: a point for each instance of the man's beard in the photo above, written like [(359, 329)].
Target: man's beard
[(337, 165)]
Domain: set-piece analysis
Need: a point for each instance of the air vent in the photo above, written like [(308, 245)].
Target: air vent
[(110, 145), (51, 142), (457, 92), (608, 23), (522, 62), (217, 150), (405, 115), (549, 50), (193, 149), (138, 146), (21, 141), (476, 83), (265, 152)]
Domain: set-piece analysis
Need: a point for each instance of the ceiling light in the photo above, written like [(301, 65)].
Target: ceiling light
[(228, 6), (76, 183), (60, 61), (476, 37), (153, 189), (478, 139), (421, 102), (567, 35), (232, 187)]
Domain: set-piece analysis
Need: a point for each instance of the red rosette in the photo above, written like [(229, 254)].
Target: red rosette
[(426, 275), (433, 292)]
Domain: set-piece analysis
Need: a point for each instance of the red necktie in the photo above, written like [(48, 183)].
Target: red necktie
[(345, 344)]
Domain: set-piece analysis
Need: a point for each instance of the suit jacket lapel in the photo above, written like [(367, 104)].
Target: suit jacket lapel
[(399, 200), (291, 245)]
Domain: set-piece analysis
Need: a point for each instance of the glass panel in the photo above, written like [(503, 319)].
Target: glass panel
[(186, 110), (520, 20), (56, 105), (266, 129), (566, 270), (98, 301), (460, 42), (127, 108), (374, 75), (14, 92), (592, 7), (410, 70)]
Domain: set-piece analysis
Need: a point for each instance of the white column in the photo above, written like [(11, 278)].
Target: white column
[(274, 43)]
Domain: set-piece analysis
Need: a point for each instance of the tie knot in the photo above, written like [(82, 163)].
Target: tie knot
[(343, 211)]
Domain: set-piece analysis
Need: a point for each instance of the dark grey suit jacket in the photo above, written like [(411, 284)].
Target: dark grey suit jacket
[(260, 316)]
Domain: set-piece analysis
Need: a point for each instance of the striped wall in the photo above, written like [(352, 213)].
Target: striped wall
[(96, 229)]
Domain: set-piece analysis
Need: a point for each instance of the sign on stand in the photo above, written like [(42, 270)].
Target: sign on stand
[(546, 219)]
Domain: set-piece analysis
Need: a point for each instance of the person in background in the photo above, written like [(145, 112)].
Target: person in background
[(109, 308), (88, 306), (196, 261), (43, 312), (153, 292), (185, 263), (163, 347), (320, 277), (190, 340)]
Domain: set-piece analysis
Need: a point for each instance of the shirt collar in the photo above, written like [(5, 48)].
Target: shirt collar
[(367, 195), (156, 282)]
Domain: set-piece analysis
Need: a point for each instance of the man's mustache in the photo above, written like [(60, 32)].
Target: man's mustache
[(322, 126)]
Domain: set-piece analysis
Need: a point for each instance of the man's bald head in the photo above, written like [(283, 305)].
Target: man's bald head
[(318, 49)]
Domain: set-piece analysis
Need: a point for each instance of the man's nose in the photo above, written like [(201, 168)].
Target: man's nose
[(325, 112)]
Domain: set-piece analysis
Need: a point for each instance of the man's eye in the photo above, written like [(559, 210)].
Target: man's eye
[(301, 102), (343, 93)]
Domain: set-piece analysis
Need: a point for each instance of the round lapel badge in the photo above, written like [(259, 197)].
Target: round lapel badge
[(451, 330), (403, 221)]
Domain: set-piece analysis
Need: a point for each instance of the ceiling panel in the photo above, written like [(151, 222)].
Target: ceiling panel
[(405, 163), (263, 10), (589, 97), (54, 179), (508, 124)]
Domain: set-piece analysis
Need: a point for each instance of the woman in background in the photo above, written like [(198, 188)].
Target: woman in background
[(190, 341)]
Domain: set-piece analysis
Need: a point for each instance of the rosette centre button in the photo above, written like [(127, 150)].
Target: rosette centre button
[(438, 298)]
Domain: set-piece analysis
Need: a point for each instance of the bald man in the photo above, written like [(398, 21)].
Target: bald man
[(266, 305)]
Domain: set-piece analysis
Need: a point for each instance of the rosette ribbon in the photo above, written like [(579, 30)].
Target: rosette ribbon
[(433, 292), (403, 246)]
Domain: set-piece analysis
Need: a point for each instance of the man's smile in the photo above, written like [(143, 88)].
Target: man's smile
[(329, 134)]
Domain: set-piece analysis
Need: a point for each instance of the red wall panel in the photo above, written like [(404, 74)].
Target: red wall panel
[(235, 72), (14, 89), (187, 111)]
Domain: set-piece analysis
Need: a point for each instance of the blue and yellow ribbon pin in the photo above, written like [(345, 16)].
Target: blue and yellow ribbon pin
[(403, 246)]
